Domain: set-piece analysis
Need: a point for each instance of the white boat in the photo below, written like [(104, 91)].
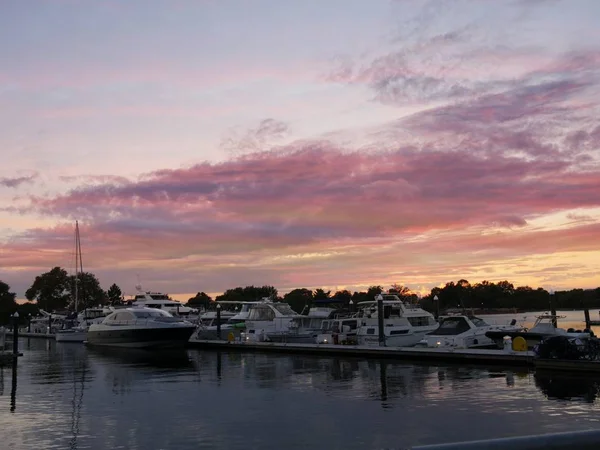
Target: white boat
[(303, 328), (268, 317), (463, 331), (404, 325), (544, 327), (162, 301), (139, 327), (75, 330)]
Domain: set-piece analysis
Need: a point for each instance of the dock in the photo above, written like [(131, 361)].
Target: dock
[(468, 356)]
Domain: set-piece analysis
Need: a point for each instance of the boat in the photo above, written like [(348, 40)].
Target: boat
[(162, 301), (268, 317), (464, 331), (305, 328), (404, 325), (140, 327), (543, 327)]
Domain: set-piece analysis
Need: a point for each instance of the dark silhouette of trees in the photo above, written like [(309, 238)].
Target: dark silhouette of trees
[(200, 300), (50, 290), (248, 294), (114, 295), (8, 305)]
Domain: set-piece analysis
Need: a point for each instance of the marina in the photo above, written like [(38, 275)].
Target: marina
[(100, 398)]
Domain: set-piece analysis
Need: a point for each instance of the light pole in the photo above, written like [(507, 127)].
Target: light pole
[(351, 305), (437, 301), (219, 320)]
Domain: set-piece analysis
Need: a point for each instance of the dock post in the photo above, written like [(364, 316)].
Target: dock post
[(49, 324), (380, 320), (218, 321), (29, 323), (15, 334), (553, 309), (586, 314)]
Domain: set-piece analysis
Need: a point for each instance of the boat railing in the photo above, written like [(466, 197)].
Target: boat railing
[(140, 321)]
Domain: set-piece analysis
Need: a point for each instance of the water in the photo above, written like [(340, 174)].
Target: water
[(70, 397)]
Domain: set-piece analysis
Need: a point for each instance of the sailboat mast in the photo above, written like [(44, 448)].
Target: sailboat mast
[(78, 264)]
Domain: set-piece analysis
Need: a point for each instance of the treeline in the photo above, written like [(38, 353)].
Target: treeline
[(55, 291), (485, 295)]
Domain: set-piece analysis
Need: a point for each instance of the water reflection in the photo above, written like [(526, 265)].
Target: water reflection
[(557, 386), (74, 397), (13, 390)]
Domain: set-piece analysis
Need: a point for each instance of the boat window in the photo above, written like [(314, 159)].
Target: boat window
[(349, 323), (159, 297), (147, 314), (261, 313), (123, 316), (452, 326), (422, 321), (394, 332), (370, 330)]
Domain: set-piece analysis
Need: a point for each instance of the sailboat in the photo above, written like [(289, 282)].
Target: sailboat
[(76, 330)]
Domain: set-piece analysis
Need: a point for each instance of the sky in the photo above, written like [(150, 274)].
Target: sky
[(204, 145)]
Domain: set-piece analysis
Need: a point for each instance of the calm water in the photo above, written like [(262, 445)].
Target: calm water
[(70, 397)]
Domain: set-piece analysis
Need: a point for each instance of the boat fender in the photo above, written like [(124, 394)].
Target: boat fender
[(507, 343), (519, 344)]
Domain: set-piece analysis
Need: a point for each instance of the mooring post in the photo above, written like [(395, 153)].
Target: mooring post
[(553, 309), (49, 324), (586, 314), (15, 334), (380, 320), (218, 321)]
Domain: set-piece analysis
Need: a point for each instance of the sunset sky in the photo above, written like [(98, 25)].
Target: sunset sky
[(204, 145)]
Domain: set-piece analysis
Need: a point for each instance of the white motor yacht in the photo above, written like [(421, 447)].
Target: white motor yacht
[(303, 328), (268, 317), (140, 328), (463, 331), (404, 325), (162, 301)]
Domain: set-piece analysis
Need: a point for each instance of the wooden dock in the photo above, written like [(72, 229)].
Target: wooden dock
[(468, 356)]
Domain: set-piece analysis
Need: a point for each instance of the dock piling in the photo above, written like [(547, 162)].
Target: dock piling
[(15, 334), (218, 321), (586, 313), (380, 320)]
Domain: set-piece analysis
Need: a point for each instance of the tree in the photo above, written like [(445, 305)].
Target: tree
[(343, 296), (50, 290), (8, 305), (89, 292), (248, 294), (114, 295), (320, 294), (200, 300), (298, 299)]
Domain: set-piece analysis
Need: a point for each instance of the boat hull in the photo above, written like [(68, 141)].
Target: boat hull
[(166, 337), (403, 340), (71, 336)]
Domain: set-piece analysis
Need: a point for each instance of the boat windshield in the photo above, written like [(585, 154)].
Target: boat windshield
[(452, 326), (152, 314), (479, 322), (285, 309)]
